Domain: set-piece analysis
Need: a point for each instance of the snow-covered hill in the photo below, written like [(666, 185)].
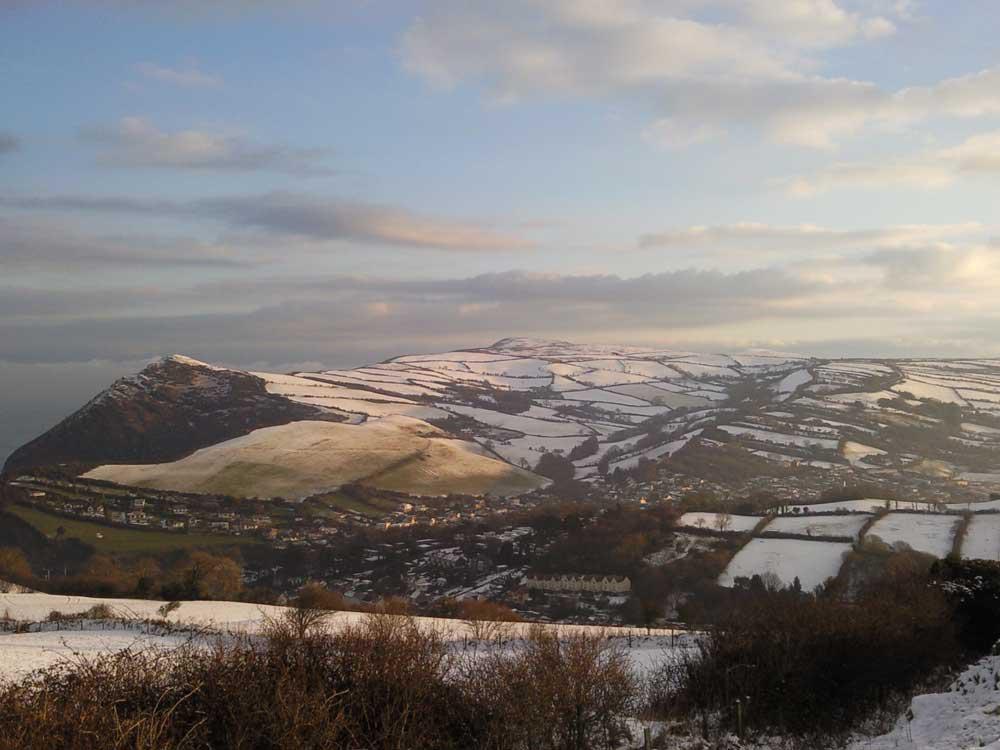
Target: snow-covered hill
[(606, 407)]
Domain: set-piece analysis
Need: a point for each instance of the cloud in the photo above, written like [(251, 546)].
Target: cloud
[(704, 66), (54, 245), (947, 269), (136, 142), (523, 48), (978, 155), (9, 143), (323, 318), (298, 215), (758, 238), (187, 77)]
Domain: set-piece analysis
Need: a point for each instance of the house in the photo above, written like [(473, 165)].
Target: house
[(571, 582)]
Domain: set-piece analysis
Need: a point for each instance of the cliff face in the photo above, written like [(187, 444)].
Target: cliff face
[(170, 409)]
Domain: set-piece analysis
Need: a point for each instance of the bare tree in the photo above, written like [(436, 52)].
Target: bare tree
[(723, 521)]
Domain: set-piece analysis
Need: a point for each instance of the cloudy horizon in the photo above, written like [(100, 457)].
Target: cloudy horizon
[(333, 183)]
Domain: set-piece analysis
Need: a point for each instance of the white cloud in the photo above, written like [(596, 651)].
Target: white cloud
[(704, 66), (928, 170), (521, 47), (947, 269)]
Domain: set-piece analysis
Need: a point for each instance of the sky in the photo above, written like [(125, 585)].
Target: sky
[(312, 183)]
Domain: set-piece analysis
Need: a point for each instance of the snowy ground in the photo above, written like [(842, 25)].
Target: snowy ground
[(982, 538), (847, 525), (924, 532), (718, 521), (811, 562), (966, 716), (24, 652)]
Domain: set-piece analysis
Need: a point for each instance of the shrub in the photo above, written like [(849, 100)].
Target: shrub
[(805, 665), (318, 596), (973, 588), (99, 611), (165, 609), (383, 683), (564, 694)]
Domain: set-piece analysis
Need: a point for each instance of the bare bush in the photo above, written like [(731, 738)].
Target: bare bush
[(787, 663), (560, 694), (295, 623), (383, 683)]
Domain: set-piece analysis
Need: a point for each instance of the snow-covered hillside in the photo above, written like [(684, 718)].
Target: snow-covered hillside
[(609, 407), (965, 716), (306, 458)]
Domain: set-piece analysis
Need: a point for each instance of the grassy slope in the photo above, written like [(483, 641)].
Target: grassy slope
[(117, 539), (306, 458), (338, 501)]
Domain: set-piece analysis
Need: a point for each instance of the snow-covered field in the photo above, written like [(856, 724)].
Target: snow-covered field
[(25, 652), (856, 453), (924, 532), (811, 562), (791, 383), (982, 538), (780, 438), (718, 521), (846, 526), (922, 389)]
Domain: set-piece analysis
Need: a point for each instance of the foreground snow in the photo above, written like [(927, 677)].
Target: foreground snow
[(966, 716), (23, 653)]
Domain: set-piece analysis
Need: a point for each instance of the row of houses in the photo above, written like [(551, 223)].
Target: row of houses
[(570, 582)]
